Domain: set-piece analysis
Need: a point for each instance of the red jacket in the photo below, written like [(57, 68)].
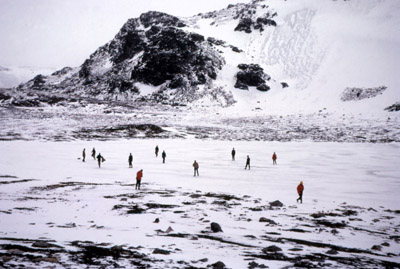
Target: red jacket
[(274, 156), (300, 189), (139, 175)]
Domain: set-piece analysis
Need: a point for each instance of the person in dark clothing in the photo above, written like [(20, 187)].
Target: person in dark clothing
[(247, 162), (100, 159), (274, 157), (94, 154), (130, 160), (163, 155), (233, 154), (196, 168), (157, 150), (139, 176), (300, 189), (83, 155)]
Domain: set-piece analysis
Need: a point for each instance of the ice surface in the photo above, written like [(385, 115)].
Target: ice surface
[(66, 199)]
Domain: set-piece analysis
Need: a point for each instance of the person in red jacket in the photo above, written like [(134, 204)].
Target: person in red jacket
[(274, 157), (139, 176), (300, 189)]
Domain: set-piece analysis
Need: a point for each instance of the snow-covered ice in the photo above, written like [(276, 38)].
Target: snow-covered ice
[(48, 193)]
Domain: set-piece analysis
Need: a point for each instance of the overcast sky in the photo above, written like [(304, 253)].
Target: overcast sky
[(58, 33)]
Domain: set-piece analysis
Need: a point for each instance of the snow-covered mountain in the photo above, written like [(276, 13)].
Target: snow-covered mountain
[(264, 53)]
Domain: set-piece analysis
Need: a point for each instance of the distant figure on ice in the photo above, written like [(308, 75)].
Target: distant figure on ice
[(274, 157), (247, 162), (100, 159), (233, 154), (196, 168), (83, 155), (300, 189), (130, 160), (157, 150), (139, 176), (163, 155), (94, 154)]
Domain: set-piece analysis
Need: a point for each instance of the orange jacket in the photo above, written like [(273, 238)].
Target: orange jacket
[(139, 175), (300, 189)]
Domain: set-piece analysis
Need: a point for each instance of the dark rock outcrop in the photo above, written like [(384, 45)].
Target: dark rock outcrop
[(152, 49), (276, 203), (218, 265), (161, 251), (270, 221), (215, 227), (354, 94), (251, 75), (394, 107), (272, 248)]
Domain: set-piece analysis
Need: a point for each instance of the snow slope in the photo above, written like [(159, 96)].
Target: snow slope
[(319, 48)]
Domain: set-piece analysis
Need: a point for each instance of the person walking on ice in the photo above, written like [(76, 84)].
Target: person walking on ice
[(196, 168), (130, 160), (274, 157), (94, 154), (100, 159), (157, 150), (233, 154), (300, 189), (163, 155), (139, 176), (83, 155), (247, 162)]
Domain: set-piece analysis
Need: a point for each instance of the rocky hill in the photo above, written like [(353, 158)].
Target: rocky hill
[(156, 50)]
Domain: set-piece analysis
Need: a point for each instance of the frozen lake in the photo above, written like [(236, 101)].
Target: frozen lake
[(48, 193)]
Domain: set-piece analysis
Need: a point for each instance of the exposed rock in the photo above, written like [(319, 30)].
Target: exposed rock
[(331, 224), (248, 21), (270, 221), (332, 252), (284, 85), (161, 251), (218, 265), (44, 244), (151, 49), (251, 75), (169, 229), (253, 265), (276, 203), (215, 227), (394, 107), (354, 94), (272, 248), (376, 247)]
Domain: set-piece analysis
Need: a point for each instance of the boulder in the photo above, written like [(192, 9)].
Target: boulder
[(215, 227), (276, 203), (272, 248)]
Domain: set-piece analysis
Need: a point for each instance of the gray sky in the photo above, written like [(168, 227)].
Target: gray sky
[(58, 33)]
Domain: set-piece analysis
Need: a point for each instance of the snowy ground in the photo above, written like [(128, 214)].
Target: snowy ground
[(57, 211), (111, 121)]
